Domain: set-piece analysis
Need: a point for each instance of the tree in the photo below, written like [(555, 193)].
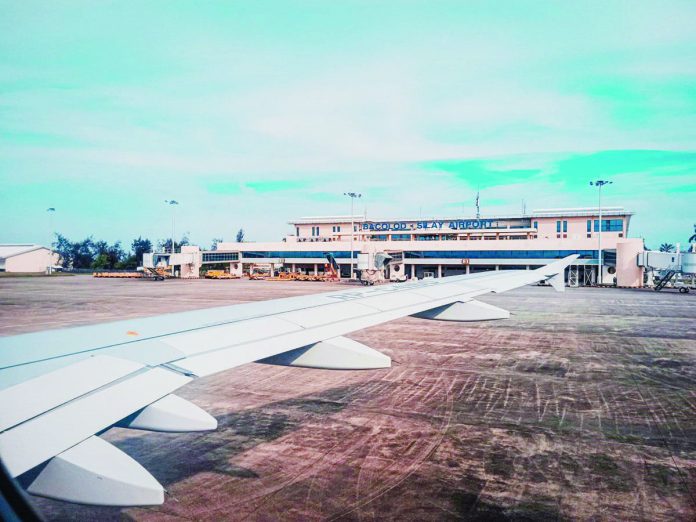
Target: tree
[(107, 256), (83, 253), (100, 248), (100, 262), (215, 242), (166, 244), (79, 254), (115, 254), (666, 247), (139, 247), (63, 247), (692, 239), (240, 235), (88, 253)]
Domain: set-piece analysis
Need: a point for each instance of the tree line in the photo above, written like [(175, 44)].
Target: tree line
[(98, 254)]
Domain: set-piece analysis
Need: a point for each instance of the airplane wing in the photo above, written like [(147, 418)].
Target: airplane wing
[(60, 389)]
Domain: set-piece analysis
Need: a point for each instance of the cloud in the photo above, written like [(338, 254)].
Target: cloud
[(250, 119)]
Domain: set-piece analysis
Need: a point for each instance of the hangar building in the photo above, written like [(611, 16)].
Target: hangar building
[(25, 258)]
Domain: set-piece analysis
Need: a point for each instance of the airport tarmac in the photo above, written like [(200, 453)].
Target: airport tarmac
[(581, 406)]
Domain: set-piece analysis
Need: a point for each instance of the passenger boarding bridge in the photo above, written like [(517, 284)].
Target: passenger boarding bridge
[(670, 264)]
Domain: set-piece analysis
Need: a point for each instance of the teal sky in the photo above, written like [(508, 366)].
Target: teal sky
[(253, 113)]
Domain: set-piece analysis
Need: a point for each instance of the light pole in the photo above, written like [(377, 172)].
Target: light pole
[(172, 202), (599, 184), (50, 211), (352, 196)]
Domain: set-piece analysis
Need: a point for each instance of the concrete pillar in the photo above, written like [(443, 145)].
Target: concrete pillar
[(293, 267), (413, 271), (439, 270), (236, 269), (497, 267), (468, 269), (316, 269), (528, 267)]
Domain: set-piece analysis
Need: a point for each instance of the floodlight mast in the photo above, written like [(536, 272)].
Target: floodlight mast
[(50, 211), (352, 196), (599, 184), (172, 202)]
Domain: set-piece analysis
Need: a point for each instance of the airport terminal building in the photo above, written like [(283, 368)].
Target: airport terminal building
[(443, 247)]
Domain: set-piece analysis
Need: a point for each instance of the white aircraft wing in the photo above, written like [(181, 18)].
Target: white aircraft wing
[(60, 389)]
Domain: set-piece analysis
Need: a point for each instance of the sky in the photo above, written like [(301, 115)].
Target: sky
[(253, 113)]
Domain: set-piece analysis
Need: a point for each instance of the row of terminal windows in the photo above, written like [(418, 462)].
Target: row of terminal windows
[(284, 254), (438, 237), (210, 257), (500, 254), (558, 229), (608, 225), (316, 231), (445, 254)]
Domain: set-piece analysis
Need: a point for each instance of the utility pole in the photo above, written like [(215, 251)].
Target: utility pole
[(599, 184), (172, 202), (352, 196)]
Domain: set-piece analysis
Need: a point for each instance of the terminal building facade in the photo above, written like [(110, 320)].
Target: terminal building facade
[(444, 247)]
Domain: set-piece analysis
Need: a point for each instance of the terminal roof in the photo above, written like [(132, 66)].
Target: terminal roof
[(554, 212)]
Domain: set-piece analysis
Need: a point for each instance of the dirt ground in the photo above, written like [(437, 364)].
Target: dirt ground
[(581, 406)]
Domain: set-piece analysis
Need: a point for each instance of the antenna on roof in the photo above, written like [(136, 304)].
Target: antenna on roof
[(524, 207), (478, 207)]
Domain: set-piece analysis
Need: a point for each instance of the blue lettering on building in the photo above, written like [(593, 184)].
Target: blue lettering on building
[(462, 224)]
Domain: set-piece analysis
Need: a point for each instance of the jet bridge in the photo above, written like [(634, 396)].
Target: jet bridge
[(157, 261), (669, 264)]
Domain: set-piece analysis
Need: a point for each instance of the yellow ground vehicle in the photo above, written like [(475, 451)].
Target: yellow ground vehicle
[(219, 274)]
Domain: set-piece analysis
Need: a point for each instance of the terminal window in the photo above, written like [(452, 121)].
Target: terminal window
[(609, 225), (212, 257)]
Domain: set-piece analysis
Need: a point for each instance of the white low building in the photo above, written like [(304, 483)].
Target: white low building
[(25, 258)]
